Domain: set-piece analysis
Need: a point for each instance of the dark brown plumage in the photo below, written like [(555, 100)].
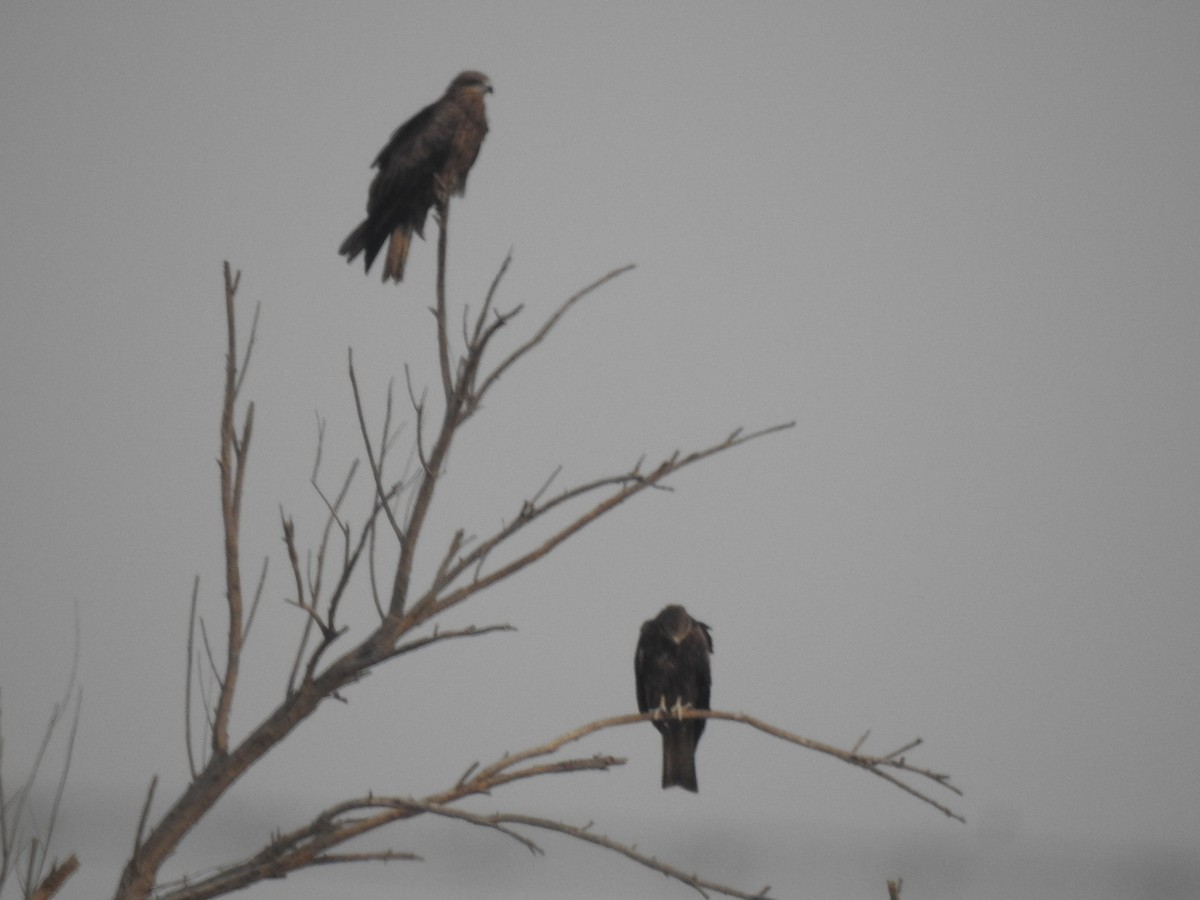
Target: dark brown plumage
[(672, 672), (425, 162)]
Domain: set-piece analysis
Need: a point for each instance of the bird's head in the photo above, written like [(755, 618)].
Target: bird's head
[(472, 81), (675, 622)]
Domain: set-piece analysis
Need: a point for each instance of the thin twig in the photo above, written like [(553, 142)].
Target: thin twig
[(14, 807), (545, 329), (245, 366), (876, 765), (451, 812), (376, 473), (862, 740), (381, 856), (212, 663), (298, 659), (701, 885), (322, 548), (445, 635), (488, 299), (443, 220), (629, 486), (141, 826), (56, 805), (187, 685), (289, 541), (258, 590)]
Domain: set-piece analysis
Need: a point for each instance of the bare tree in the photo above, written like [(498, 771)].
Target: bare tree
[(343, 567)]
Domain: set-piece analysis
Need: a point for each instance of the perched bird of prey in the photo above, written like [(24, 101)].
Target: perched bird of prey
[(425, 162), (672, 674)]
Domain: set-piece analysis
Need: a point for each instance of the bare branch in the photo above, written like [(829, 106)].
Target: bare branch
[(876, 765), (585, 834), (376, 472), (862, 740), (451, 812), (344, 821), (533, 501), (187, 686), (258, 589), (487, 302), (386, 436), (8, 839), (381, 856), (373, 577), (323, 547), (541, 333), (66, 766), (419, 409), (205, 703), (33, 856), (915, 742), (237, 389), (298, 659), (141, 826), (312, 479), (627, 486), (57, 877), (439, 636), (16, 807), (289, 540), (349, 556), (443, 332), (231, 494)]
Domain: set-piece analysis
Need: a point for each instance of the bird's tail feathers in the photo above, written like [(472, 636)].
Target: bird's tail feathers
[(355, 242), (679, 758), (368, 240), (397, 254)]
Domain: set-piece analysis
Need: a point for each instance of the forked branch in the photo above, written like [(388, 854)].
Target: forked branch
[(622, 488), (232, 463)]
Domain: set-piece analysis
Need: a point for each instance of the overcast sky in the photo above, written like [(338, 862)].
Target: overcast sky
[(956, 242)]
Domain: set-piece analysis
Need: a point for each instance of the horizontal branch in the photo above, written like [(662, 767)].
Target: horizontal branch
[(310, 844), (381, 856), (876, 765)]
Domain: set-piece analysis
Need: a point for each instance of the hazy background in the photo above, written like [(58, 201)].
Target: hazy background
[(957, 242)]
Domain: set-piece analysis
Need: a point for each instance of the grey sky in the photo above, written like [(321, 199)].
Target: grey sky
[(956, 242)]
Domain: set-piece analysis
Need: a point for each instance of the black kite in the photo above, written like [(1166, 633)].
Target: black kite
[(425, 162), (672, 673)]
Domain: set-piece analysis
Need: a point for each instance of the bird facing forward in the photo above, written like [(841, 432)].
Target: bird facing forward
[(426, 161), (672, 674)]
